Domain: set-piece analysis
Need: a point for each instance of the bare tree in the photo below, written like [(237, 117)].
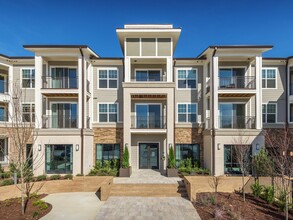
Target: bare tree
[(215, 182), (21, 131), (279, 143), (242, 155)]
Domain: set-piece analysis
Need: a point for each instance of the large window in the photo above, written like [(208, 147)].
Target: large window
[(231, 165), (3, 113), (231, 77), (59, 158), (107, 152), (184, 151), (28, 78), (63, 77), (148, 116), (64, 115), (3, 83), (108, 78), (186, 78), (268, 78), (3, 150), (108, 112), (269, 113), (187, 112), (233, 116), (147, 75), (28, 112)]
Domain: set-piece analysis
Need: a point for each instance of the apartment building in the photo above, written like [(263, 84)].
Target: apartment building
[(88, 108)]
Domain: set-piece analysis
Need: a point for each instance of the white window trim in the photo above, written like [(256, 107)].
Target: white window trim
[(161, 110), (268, 103), (98, 112), (276, 72), (31, 112), (5, 161), (98, 77), (186, 103), (196, 77), (27, 68), (146, 69)]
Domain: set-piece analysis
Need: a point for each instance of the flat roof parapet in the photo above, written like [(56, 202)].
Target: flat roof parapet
[(148, 26)]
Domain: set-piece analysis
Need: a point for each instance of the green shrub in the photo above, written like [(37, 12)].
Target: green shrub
[(35, 214), (41, 204), (34, 195), (79, 174), (1, 169), (125, 159), (98, 165), (171, 159), (107, 165), (5, 175), (7, 182), (41, 178), (208, 198), (189, 164), (268, 194), (68, 177), (55, 177), (256, 188), (281, 200)]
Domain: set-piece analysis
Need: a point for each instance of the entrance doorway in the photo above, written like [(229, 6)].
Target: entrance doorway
[(148, 156)]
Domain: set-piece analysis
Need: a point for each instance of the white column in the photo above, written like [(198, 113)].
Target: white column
[(127, 122), (170, 122), (258, 97), (127, 69), (169, 69), (38, 86), (91, 109), (10, 90), (214, 89), (79, 73)]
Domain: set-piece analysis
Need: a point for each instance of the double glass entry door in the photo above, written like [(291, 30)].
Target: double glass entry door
[(148, 156)]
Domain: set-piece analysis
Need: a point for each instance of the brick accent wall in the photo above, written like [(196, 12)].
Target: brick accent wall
[(190, 136), (108, 136)]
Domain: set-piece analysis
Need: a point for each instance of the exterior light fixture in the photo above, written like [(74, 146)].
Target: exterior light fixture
[(77, 147), (257, 147), (219, 146), (170, 145), (39, 147), (126, 144)]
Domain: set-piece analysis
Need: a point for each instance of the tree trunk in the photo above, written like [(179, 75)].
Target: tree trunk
[(22, 192), (243, 191)]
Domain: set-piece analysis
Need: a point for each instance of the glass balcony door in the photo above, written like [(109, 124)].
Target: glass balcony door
[(148, 75), (64, 115), (64, 78), (148, 116), (231, 77), (232, 115)]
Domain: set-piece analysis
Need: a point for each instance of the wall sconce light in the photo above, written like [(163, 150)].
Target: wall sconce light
[(77, 147), (257, 147), (170, 145), (39, 147), (219, 146)]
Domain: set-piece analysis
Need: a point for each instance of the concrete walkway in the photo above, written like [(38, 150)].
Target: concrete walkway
[(78, 205), (146, 176), (163, 208)]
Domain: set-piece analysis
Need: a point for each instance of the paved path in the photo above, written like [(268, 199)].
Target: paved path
[(79, 205), (151, 208)]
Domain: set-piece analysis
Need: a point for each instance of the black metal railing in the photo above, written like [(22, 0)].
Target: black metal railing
[(50, 82), (3, 86), (237, 122), (148, 122), (237, 82), (151, 79), (60, 121)]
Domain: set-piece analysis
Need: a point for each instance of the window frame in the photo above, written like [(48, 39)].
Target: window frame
[(107, 103), (145, 69), (30, 113), (107, 69), (63, 67), (186, 69), (266, 69), (21, 77), (186, 104), (5, 161), (113, 150), (276, 113)]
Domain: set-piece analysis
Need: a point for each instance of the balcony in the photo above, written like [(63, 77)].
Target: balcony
[(148, 122), (50, 82), (60, 121), (237, 122), (150, 79), (237, 82)]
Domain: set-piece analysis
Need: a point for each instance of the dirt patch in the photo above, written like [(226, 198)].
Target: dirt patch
[(10, 209), (231, 206)]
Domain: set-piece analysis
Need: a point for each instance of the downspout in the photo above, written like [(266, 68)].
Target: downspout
[(213, 118), (82, 112)]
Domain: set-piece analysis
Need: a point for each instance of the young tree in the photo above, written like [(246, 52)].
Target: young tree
[(279, 143), (262, 164), (21, 131)]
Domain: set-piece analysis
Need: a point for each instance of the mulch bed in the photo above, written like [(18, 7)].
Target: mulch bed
[(10, 209), (231, 206)]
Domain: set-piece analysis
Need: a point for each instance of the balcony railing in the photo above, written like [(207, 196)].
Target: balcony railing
[(237, 82), (148, 122), (50, 82), (155, 79), (60, 121), (237, 122)]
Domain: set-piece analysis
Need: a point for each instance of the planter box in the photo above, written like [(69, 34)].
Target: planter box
[(125, 172), (171, 172)]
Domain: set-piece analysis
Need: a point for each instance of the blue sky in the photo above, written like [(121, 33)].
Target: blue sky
[(203, 23)]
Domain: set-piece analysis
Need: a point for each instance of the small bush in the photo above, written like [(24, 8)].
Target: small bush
[(7, 182), (208, 199), (79, 174), (5, 175), (55, 177), (282, 200), (268, 194), (41, 178), (256, 188), (1, 169), (35, 214), (171, 159), (68, 177), (41, 204), (125, 158), (34, 195)]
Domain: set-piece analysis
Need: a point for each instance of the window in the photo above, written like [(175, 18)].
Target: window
[(64, 78), (268, 78), (148, 75), (232, 78), (28, 112), (3, 150), (231, 166), (106, 152), (3, 113), (187, 112), (186, 78), (28, 78), (108, 112), (108, 78), (184, 151), (269, 113), (64, 115), (29, 155)]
